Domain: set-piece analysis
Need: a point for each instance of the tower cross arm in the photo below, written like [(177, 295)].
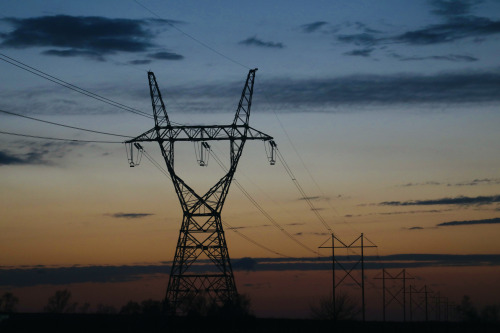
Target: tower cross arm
[(201, 133)]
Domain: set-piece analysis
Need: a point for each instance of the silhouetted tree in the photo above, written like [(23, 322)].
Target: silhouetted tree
[(60, 302), (345, 308), (238, 308), (202, 305), (466, 310), (195, 305), (8, 302), (105, 309), (84, 308), (490, 313), (150, 306), (131, 308)]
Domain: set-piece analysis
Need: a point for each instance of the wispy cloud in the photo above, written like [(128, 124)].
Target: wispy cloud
[(423, 211), (459, 201), (448, 57), (472, 222), (415, 228), (75, 53), (366, 52), (451, 9), (140, 62), (457, 23), (474, 182), (311, 233), (129, 215), (36, 153), (450, 31), (254, 41), (164, 55), (314, 197), (432, 183), (312, 27)]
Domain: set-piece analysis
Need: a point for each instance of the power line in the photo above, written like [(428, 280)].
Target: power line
[(302, 192), (193, 38), (259, 207), (62, 125), (57, 139), (305, 166), (73, 87)]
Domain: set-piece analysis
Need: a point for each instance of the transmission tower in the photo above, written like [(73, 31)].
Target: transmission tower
[(348, 272), (398, 295), (201, 237)]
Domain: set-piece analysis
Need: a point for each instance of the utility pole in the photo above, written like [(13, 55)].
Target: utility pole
[(419, 303), (394, 296), (346, 271), (201, 236)]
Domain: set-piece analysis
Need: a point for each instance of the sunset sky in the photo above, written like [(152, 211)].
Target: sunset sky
[(385, 111)]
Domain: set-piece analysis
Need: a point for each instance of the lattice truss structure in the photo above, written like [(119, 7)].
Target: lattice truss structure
[(201, 235)]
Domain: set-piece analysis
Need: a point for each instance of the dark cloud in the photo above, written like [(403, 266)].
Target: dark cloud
[(454, 87), (6, 158), (312, 27), (459, 28), (129, 215), (36, 153), (245, 264), (473, 222), (360, 52), (75, 53), (32, 276), (140, 62), (65, 275), (449, 57), (166, 56), (460, 201), (415, 228), (452, 8), (254, 41), (89, 36)]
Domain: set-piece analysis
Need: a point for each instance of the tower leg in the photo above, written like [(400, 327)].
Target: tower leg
[(201, 272)]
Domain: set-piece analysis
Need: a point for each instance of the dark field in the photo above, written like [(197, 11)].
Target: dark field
[(158, 323)]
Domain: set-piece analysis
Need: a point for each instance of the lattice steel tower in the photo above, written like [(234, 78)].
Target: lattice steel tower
[(201, 235)]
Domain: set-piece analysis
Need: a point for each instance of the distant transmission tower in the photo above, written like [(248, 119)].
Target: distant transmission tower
[(201, 236)]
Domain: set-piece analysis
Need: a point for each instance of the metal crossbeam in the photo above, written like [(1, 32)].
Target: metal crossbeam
[(202, 133)]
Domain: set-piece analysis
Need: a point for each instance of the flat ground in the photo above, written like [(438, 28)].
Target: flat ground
[(34, 322)]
